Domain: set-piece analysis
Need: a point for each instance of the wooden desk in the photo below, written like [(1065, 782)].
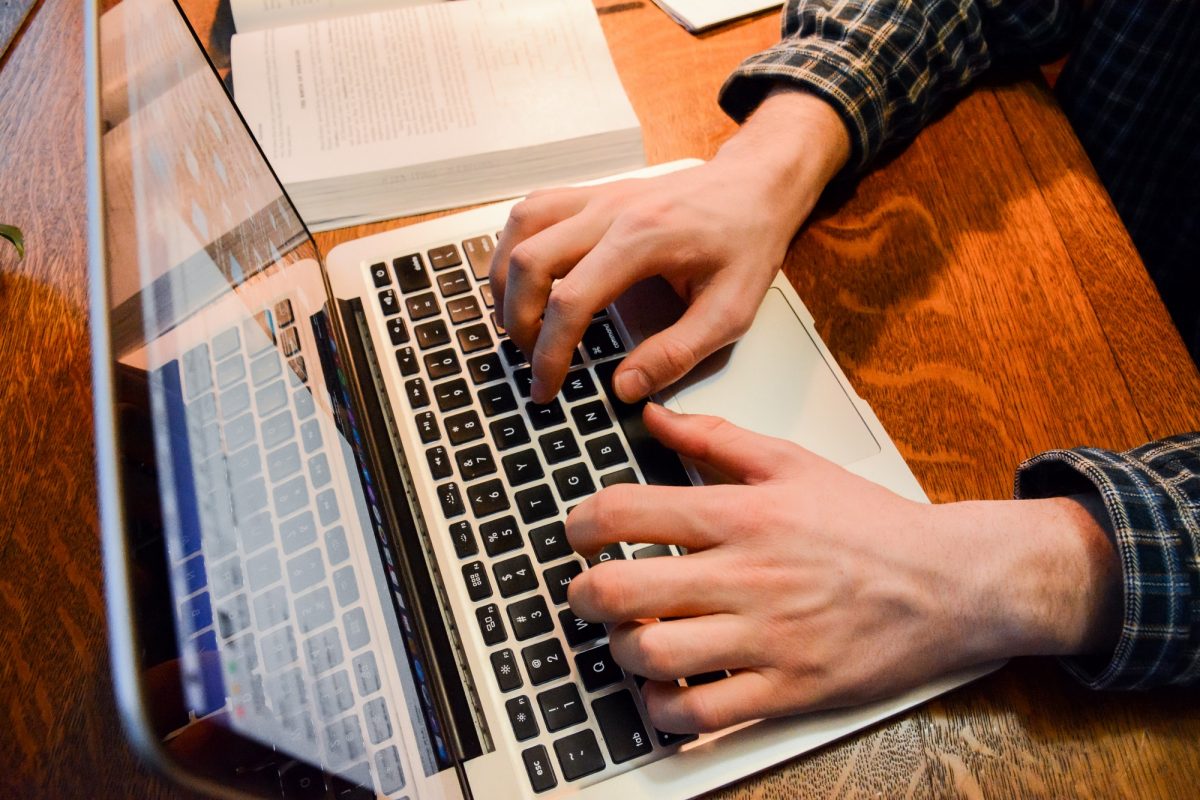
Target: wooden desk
[(979, 290)]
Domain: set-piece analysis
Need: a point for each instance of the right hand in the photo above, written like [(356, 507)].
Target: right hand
[(717, 233)]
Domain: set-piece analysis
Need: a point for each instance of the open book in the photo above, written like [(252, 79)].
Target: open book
[(372, 109)]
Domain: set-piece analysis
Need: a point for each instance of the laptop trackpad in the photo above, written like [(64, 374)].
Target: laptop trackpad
[(773, 381)]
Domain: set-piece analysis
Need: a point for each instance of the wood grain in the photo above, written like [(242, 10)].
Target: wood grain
[(978, 289)]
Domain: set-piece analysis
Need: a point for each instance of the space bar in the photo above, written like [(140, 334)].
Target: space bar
[(659, 465)]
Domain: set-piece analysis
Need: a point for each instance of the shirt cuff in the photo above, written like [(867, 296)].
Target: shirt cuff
[(1151, 495)]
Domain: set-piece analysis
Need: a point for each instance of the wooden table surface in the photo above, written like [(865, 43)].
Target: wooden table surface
[(978, 290)]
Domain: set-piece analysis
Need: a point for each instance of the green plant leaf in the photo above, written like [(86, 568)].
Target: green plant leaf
[(13, 234)]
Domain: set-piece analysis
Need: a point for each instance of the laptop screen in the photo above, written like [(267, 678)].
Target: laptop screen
[(278, 647)]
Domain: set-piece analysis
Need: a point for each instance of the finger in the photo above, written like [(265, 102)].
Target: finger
[(620, 591), (666, 650), (539, 210), (743, 455), (626, 512), (712, 706)]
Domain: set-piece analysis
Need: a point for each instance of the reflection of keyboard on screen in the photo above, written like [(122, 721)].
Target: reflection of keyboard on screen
[(507, 471)]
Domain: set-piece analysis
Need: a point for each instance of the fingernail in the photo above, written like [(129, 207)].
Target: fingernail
[(659, 408), (631, 385)]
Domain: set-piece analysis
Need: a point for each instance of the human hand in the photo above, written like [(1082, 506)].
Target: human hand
[(716, 232), (819, 589)]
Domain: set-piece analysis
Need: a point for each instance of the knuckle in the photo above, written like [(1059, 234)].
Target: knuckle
[(678, 355), (522, 260), (649, 215), (607, 591), (607, 508), (523, 213), (697, 708), (565, 302), (654, 654)]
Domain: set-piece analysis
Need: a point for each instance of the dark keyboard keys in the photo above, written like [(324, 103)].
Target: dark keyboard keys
[(537, 766), (486, 292), (439, 463), (610, 552), (407, 361), (579, 631), (479, 255), (558, 446), (659, 465), (485, 368), (559, 578), (442, 364), (597, 669), (522, 718), (463, 309), (389, 302), (671, 739), (578, 755), (621, 726), (522, 467), (411, 273), (428, 428), (422, 306), (653, 551), (509, 432), (504, 665), (530, 617), (452, 394), (626, 475), (545, 662), (512, 354), (545, 415), (500, 536), (536, 504), (398, 331), (574, 481), (498, 399), (452, 504), (496, 326), (705, 677), (578, 385), (379, 274), (417, 396), (464, 539), (444, 257), (606, 451), (490, 624), (451, 284), (475, 462), (562, 707), (473, 338), (478, 585), (602, 340), (432, 334), (523, 378), (591, 418), (550, 542), (487, 498), (464, 427), (515, 576)]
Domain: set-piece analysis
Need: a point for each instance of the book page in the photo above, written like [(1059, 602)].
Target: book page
[(257, 15), (697, 15), (425, 84)]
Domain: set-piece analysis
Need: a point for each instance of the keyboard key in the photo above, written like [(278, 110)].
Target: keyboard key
[(473, 338), (411, 273), (464, 427), (597, 669), (621, 726), (345, 586), (529, 617), (334, 694), (653, 551), (496, 326), (322, 651), (452, 504), (602, 340), (422, 306), (439, 463), (579, 631), (304, 571), (578, 755), (515, 576), (500, 536), (498, 399), (259, 332), (407, 361), (522, 467), (224, 344), (574, 481), (427, 426), (558, 446), (705, 677), (398, 331), (672, 739), (610, 552), (521, 717), (591, 418), (336, 548), (305, 407), (626, 475), (523, 378), (545, 415), (536, 504), (365, 671), (290, 496), (442, 364), (512, 354), (432, 334), (387, 767), (485, 368), (452, 394), (475, 462), (559, 578), (444, 257), (379, 274), (389, 302), (509, 432), (487, 498), (354, 624), (578, 385), (659, 465), (327, 507), (464, 539), (478, 585), (314, 610), (537, 766), (504, 665), (490, 624), (417, 396), (479, 255), (452, 284), (463, 309), (289, 341), (485, 291), (378, 723), (545, 662), (562, 707), (299, 372), (550, 542), (576, 358)]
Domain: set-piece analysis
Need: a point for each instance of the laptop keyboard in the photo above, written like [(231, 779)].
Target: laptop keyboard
[(507, 472)]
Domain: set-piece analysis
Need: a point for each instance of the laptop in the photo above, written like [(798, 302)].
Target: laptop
[(333, 521)]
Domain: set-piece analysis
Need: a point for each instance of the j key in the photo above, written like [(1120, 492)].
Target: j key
[(530, 617), (579, 631), (601, 340), (545, 662), (475, 462), (452, 504), (442, 364), (653, 551), (522, 719), (559, 446), (536, 504), (606, 451), (578, 385), (562, 707), (452, 394), (478, 585), (550, 542), (500, 536), (487, 498), (498, 399), (474, 337), (432, 334), (626, 475), (411, 273), (463, 309), (439, 463), (428, 428), (509, 432), (464, 539), (522, 467), (486, 292), (545, 415), (464, 427), (597, 669), (559, 578), (417, 396), (398, 331), (537, 765), (515, 576), (485, 368), (578, 755), (508, 675), (407, 360), (444, 257), (479, 255), (422, 306), (389, 303), (573, 481), (610, 552), (490, 624), (454, 283), (512, 354), (523, 378), (591, 418), (621, 726), (659, 465), (379, 273)]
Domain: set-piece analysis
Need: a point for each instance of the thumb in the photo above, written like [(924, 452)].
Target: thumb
[(743, 455)]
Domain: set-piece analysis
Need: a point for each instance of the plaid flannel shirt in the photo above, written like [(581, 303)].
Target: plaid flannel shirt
[(887, 66)]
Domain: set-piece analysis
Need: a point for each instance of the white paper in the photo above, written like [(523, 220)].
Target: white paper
[(697, 15), (257, 15)]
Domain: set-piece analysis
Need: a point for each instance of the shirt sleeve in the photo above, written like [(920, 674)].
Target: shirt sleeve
[(887, 66), (1152, 496)]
